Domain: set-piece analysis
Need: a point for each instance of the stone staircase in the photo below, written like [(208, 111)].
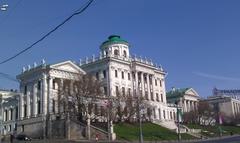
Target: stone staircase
[(167, 124)]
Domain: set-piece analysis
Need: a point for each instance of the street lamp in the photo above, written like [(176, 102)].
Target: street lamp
[(178, 120)]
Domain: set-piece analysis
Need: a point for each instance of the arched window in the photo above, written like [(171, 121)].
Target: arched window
[(116, 52), (124, 53)]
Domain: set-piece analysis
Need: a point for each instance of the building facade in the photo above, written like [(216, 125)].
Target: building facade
[(39, 96), (226, 101), (37, 104), (8, 111), (186, 98), (130, 75)]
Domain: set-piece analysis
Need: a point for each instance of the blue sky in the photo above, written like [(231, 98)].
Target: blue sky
[(196, 41)]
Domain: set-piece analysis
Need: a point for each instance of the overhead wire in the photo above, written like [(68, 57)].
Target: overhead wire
[(77, 12), (7, 76)]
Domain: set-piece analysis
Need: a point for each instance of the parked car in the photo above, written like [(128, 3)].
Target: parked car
[(23, 137)]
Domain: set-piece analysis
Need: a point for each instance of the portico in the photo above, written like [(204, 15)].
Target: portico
[(39, 88)]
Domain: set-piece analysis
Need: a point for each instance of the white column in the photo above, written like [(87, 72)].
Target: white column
[(136, 83), (142, 82), (148, 87), (44, 94), (109, 80), (34, 102), (50, 96), (21, 106), (59, 96), (189, 105), (185, 105), (153, 91), (28, 102)]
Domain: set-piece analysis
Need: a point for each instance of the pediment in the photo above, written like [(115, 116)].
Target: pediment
[(191, 92), (67, 66)]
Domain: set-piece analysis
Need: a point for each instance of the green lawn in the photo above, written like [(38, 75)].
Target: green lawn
[(151, 132), (213, 131)]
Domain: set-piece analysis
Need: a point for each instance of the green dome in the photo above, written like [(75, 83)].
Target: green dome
[(115, 39)]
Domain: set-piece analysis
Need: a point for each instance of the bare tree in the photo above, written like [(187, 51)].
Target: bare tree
[(80, 95)]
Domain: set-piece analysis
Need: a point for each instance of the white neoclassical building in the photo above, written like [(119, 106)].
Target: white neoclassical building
[(226, 101), (186, 98), (39, 98), (121, 72), (115, 67), (8, 111)]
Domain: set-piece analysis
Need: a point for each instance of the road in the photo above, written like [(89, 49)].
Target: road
[(233, 139)]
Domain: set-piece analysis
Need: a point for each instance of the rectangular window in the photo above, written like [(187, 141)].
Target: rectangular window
[(39, 85), (104, 74), (146, 95), (25, 90), (129, 77), (39, 106), (105, 90), (117, 92), (133, 75), (129, 91), (145, 78), (155, 82), (160, 83), (152, 98), (116, 73), (162, 97), (123, 91), (157, 96), (97, 75), (53, 106), (16, 113), (11, 114), (122, 75), (54, 82)]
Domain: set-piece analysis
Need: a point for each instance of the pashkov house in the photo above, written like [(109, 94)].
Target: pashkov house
[(115, 67)]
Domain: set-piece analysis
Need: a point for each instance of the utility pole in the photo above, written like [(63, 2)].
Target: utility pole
[(1, 117)]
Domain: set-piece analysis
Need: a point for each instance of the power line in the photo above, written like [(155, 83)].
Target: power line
[(77, 12), (7, 76)]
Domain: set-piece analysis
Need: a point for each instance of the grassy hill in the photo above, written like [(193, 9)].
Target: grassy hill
[(151, 132), (213, 131)]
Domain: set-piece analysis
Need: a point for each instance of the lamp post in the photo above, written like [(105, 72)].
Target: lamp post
[(140, 125), (178, 120)]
